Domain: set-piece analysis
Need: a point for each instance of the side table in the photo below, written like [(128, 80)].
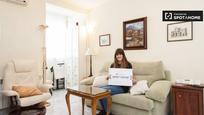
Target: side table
[(187, 99)]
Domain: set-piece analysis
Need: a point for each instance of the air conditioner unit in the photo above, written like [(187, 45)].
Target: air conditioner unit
[(20, 2)]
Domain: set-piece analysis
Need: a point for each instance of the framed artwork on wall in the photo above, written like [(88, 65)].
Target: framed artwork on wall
[(181, 31), (104, 40), (135, 34)]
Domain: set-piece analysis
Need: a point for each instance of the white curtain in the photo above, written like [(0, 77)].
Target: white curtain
[(71, 58)]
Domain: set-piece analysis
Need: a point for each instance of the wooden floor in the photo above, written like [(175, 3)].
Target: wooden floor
[(58, 105)]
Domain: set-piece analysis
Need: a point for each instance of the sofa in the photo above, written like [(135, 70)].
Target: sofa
[(155, 101)]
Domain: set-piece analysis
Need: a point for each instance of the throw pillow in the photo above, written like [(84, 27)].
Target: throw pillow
[(26, 91), (100, 80), (139, 88)]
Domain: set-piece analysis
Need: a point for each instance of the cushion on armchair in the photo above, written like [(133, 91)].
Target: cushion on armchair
[(139, 88), (105, 67), (150, 71), (87, 81), (26, 91), (100, 80), (159, 90), (137, 101), (23, 65)]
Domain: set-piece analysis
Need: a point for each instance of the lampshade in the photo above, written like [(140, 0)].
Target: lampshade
[(90, 51)]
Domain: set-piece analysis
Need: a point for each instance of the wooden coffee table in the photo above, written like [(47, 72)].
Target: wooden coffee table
[(92, 93)]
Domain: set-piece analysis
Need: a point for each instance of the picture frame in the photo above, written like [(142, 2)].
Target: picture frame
[(135, 34), (180, 31), (104, 40)]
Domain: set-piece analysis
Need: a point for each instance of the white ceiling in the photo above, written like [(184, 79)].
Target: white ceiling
[(85, 4)]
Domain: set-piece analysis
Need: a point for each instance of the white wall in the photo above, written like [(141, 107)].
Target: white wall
[(184, 59), (20, 33), (67, 4)]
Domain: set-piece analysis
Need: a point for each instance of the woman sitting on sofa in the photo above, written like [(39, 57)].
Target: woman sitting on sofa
[(120, 61)]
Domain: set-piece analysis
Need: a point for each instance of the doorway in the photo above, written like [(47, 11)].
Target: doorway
[(62, 47)]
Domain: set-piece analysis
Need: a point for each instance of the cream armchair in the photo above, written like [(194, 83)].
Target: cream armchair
[(24, 73)]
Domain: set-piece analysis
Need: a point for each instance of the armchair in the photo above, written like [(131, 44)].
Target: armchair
[(24, 73)]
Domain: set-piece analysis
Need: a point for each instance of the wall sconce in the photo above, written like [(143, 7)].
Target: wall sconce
[(43, 26)]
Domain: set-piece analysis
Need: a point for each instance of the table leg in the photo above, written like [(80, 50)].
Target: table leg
[(68, 102), (83, 99), (109, 104), (94, 107)]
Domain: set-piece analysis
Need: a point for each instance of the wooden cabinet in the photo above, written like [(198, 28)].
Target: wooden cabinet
[(187, 100)]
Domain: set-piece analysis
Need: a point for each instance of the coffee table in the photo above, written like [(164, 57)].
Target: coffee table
[(92, 93)]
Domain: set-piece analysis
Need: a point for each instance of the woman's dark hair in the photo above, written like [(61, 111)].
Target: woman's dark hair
[(124, 63)]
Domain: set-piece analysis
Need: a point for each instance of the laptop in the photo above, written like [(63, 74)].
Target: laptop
[(120, 77)]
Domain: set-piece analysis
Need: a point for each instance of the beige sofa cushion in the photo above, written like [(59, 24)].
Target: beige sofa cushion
[(150, 71), (100, 80), (139, 88), (159, 90), (87, 81), (138, 101), (106, 66)]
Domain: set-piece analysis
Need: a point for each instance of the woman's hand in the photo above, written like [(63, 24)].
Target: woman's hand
[(108, 77), (134, 80)]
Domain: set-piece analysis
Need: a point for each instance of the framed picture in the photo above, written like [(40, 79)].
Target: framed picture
[(135, 34), (181, 31), (104, 40)]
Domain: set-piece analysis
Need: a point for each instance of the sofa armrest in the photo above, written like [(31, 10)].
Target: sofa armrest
[(10, 93), (159, 90), (45, 87), (87, 81)]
